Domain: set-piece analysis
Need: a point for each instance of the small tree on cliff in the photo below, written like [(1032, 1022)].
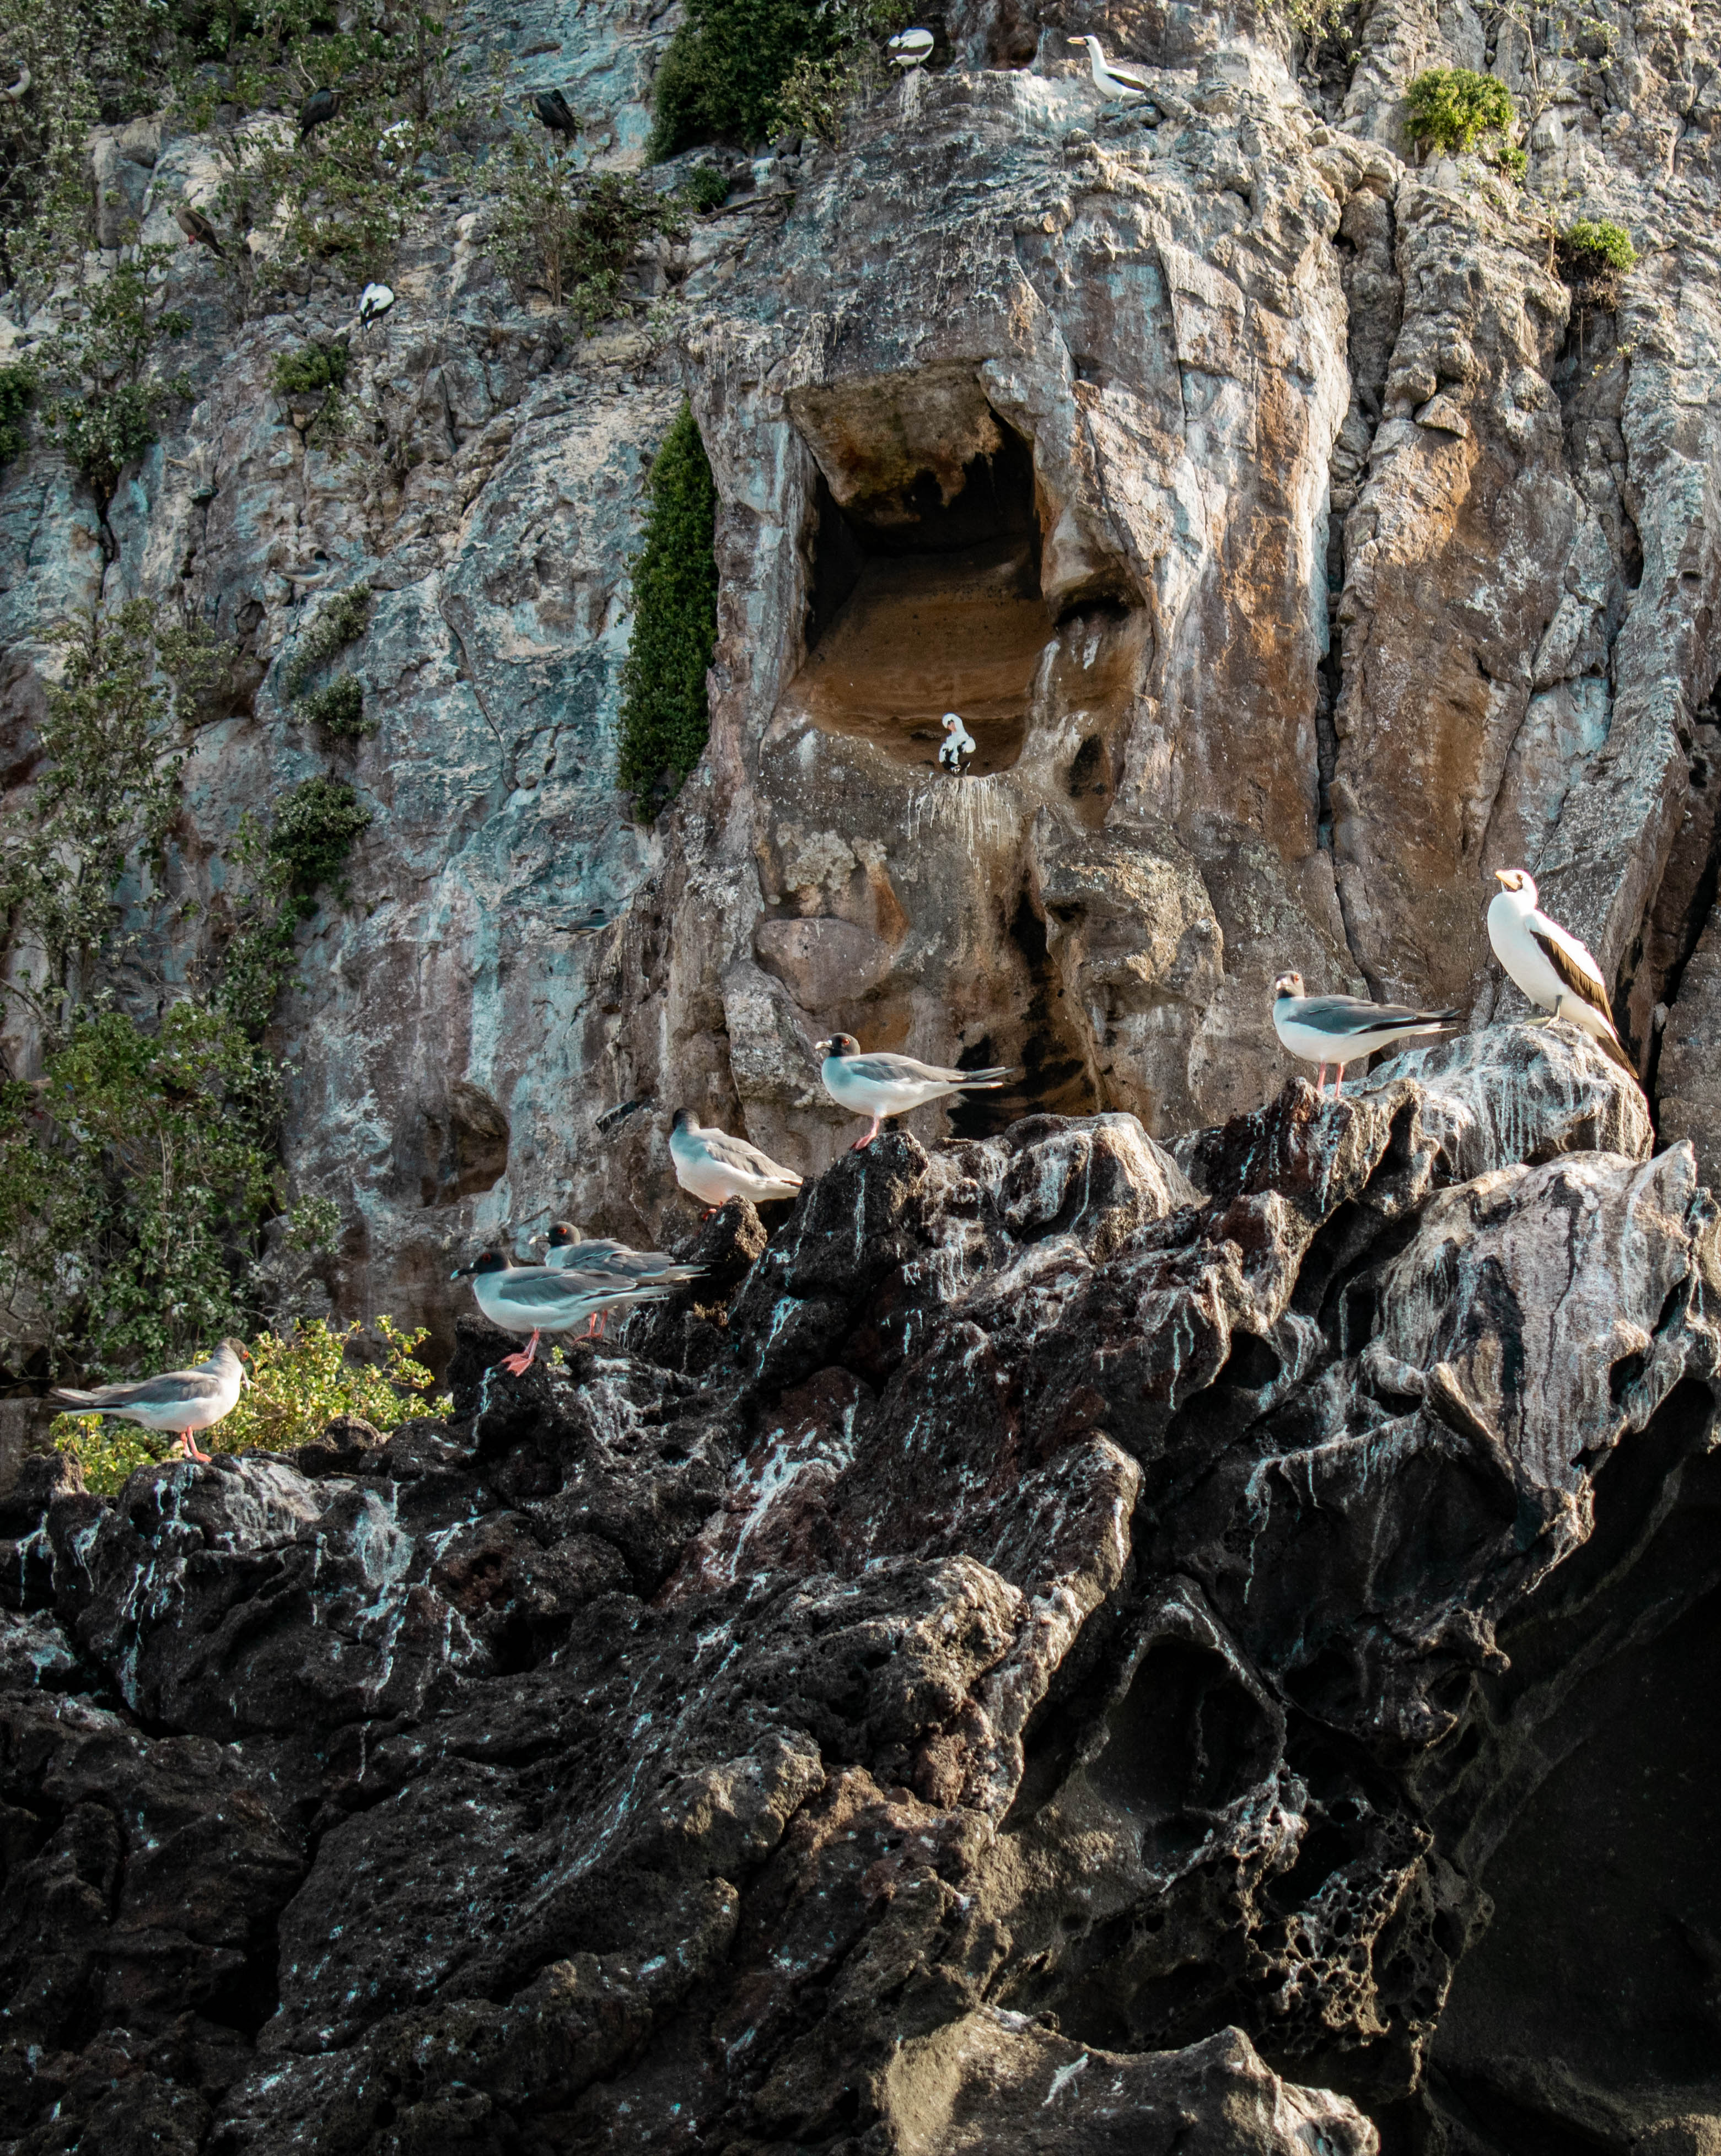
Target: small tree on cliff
[(664, 719)]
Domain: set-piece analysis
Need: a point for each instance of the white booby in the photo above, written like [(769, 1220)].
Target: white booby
[(181, 1401), (885, 1084), (1119, 80), (1341, 1029), (957, 746), (538, 1299), (1548, 963), (714, 1167), (911, 48)]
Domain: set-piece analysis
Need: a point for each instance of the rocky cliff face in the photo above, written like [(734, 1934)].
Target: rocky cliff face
[(1066, 1645), (1297, 551)]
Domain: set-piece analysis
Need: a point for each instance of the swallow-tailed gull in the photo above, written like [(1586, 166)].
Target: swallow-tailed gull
[(320, 107), (1548, 963), (1341, 1029), (957, 744), (885, 1084), (1116, 80), (538, 1299), (911, 48), (180, 1401), (197, 228), (714, 1167), (569, 1252)]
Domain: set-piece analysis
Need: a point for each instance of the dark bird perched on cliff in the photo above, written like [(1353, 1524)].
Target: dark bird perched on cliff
[(180, 1401), (321, 106), (537, 1299), (957, 746), (885, 1084), (1116, 80), (714, 1167), (197, 228), (557, 115), (1341, 1029), (1548, 963), (373, 303)]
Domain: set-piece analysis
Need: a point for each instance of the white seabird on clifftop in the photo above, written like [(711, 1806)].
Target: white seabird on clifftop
[(1119, 81), (714, 1167), (885, 1084), (537, 1299), (180, 1401), (911, 48), (957, 744), (1341, 1029), (1548, 963)]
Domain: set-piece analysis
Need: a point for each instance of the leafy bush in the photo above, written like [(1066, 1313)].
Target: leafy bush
[(728, 62), (311, 371), (18, 388), (132, 1176), (706, 188), (338, 710), (815, 94), (338, 622), (1511, 161), (1451, 109), (664, 718), (315, 830), (1591, 245), (108, 361), (571, 234), (299, 1382)]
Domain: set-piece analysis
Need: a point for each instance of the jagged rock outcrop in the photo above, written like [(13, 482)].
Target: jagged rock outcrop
[(1040, 1651)]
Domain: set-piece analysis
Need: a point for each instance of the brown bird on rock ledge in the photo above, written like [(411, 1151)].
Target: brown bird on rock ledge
[(197, 228)]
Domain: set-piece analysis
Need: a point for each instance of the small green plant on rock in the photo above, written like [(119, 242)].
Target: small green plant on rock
[(338, 622), (17, 390), (570, 233), (706, 188), (1451, 109), (723, 76), (665, 717), (1593, 244), (337, 710), (316, 828), (308, 846), (300, 1381)]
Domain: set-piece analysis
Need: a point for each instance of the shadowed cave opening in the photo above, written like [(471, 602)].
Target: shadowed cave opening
[(920, 605), (1045, 1041)]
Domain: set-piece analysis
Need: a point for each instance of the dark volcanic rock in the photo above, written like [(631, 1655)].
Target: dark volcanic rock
[(1056, 1650)]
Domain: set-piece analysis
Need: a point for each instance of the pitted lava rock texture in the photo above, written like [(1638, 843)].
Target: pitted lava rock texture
[(1039, 1654)]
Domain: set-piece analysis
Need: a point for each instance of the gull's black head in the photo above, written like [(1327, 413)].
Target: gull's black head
[(487, 1261), (561, 1233), (840, 1043), (684, 1120), (1287, 984)]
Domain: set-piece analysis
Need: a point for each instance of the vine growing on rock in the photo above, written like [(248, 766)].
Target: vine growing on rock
[(723, 76), (664, 716)]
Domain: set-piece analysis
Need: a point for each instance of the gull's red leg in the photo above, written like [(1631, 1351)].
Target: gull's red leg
[(515, 1364)]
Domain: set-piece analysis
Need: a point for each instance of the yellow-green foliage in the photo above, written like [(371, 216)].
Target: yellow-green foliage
[(1590, 245), (1451, 109), (299, 1382)]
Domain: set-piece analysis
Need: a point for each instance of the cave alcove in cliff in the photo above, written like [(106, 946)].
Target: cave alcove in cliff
[(925, 595)]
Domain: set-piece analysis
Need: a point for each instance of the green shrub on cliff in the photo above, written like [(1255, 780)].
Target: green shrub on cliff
[(337, 710), (727, 63), (17, 388), (1588, 246), (301, 1380), (665, 721), (570, 234), (1451, 109)]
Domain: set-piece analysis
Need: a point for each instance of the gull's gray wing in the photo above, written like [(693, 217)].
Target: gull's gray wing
[(888, 1070), (172, 1387), (1342, 1016), (738, 1153)]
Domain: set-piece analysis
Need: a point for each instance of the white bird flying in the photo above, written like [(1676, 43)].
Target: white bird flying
[(911, 48), (1553, 969), (714, 1167), (1119, 81), (957, 746), (182, 1401), (537, 1299), (887, 1084), (1341, 1029)]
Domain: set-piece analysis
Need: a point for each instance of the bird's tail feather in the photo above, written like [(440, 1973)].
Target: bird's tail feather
[(995, 1076), (1608, 1044)]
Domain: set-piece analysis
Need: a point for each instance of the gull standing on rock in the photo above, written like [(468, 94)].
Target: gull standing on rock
[(181, 1401), (887, 1084), (1119, 81), (1341, 1029), (1548, 963), (606, 1259), (957, 744), (714, 1167), (537, 1299)]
